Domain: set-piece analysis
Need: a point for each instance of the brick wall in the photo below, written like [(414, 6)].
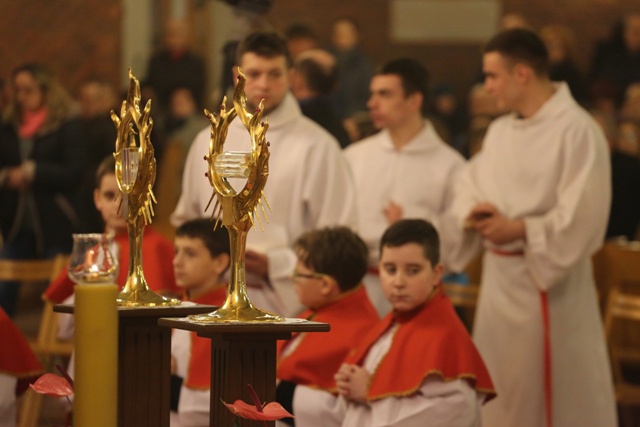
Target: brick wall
[(458, 64), (81, 38), (78, 39)]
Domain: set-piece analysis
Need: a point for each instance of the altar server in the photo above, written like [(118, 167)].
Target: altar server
[(418, 366), (537, 197), (201, 258), (405, 170), (328, 281), (309, 183)]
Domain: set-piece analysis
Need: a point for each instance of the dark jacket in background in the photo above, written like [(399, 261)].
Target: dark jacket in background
[(321, 110), (59, 156)]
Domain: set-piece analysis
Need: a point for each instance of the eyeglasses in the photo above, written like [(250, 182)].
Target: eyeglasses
[(296, 275)]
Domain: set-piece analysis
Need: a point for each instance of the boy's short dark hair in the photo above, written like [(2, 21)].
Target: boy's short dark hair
[(106, 167), (335, 251), (265, 44), (416, 231), (414, 77), (520, 45), (216, 241)]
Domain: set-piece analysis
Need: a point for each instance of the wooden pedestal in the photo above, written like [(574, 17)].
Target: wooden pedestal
[(241, 354), (144, 362)]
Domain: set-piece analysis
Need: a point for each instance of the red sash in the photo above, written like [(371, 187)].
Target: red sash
[(157, 257), (16, 357), (199, 368), (429, 341), (318, 355)]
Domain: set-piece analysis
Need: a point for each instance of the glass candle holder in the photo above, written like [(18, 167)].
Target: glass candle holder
[(91, 259)]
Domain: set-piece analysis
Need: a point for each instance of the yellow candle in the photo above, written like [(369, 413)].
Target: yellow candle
[(96, 364)]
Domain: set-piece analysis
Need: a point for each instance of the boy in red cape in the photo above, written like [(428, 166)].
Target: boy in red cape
[(418, 366), (18, 367), (157, 251), (201, 258), (328, 281)]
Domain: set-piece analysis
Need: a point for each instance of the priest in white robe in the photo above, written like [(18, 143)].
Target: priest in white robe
[(309, 184), (404, 171)]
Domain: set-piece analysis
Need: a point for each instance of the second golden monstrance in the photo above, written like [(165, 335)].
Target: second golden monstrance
[(239, 210), (136, 174)]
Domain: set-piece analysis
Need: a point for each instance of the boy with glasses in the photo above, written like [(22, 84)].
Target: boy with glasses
[(328, 281)]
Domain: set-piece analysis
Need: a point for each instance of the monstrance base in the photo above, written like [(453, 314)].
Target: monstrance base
[(144, 298), (237, 314)]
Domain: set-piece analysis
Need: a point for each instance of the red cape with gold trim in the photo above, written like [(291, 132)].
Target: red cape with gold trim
[(157, 264), (318, 355), (429, 341), (16, 357), (199, 368)]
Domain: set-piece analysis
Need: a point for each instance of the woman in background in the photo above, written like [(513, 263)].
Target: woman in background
[(41, 165)]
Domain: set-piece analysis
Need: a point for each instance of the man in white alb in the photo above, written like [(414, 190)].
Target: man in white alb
[(405, 170), (537, 197), (309, 184)]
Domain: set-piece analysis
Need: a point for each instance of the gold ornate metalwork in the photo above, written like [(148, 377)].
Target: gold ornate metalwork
[(239, 210), (136, 174)]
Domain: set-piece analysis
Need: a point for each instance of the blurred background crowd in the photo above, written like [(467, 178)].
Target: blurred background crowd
[(63, 70)]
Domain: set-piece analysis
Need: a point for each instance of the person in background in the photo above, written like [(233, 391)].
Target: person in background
[(157, 251), (200, 260), (248, 16), (418, 366), (404, 171), (630, 109), (313, 81), (560, 43), (96, 99), (328, 281), (184, 122), (511, 20), (309, 183), (483, 109), (6, 93), (300, 38), (616, 62), (156, 254), (447, 111), (537, 199), (43, 156), (624, 217), (354, 71), (176, 65)]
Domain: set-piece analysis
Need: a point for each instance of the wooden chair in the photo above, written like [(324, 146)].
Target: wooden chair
[(46, 346), (465, 296), (474, 269), (616, 265), (26, 270), (47, 343), (623, 310)]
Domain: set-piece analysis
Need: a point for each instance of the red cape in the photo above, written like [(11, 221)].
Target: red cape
[(429, 341), (16, 357), (199, 368), (157, 264), (318, 355)]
